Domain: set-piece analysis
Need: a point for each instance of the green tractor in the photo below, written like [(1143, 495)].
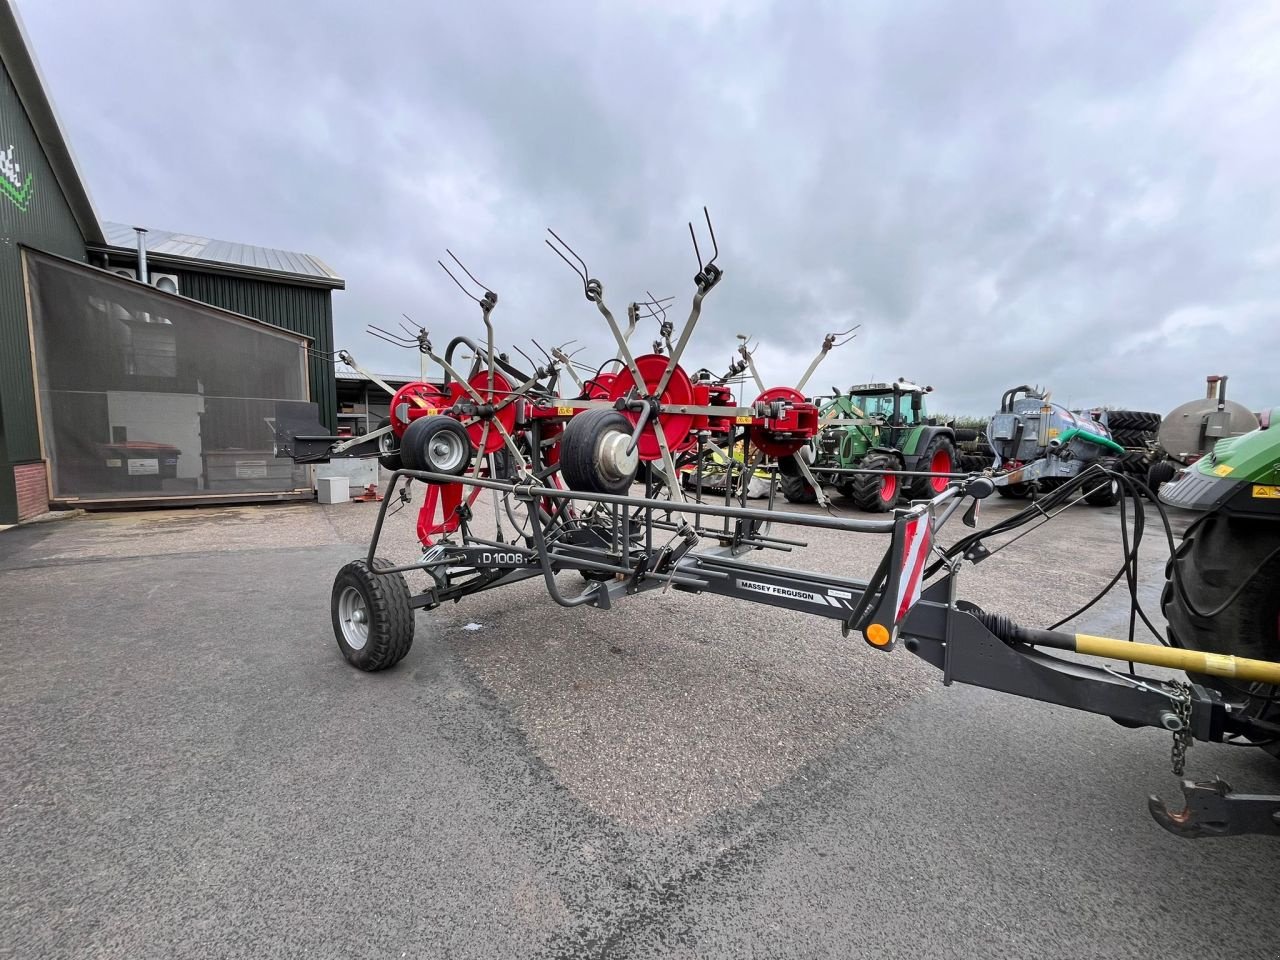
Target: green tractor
[(1222, 593), (882, 428)]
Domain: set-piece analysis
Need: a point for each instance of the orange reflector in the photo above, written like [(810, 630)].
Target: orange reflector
[(877, 635)]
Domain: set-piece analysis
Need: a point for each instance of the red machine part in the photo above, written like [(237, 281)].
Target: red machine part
[(439, 511), (506, 416), (598, 387), (418, 400), (676, 427), (784, 435)]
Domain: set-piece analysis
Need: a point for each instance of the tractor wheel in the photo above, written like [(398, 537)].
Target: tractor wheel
[(388, 448), (1103, 492), (939, 458), (965, 435), (372, 619), (1016, 491), (593, 453), (1229, 601), (1136, 420), (1158, 474), (436, 444), (793, 484), (876, 492), (845, 489)]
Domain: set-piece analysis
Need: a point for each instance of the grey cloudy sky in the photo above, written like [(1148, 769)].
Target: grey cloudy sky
[(1079, 195)]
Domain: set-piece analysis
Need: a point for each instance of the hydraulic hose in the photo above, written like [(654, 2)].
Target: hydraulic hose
[(1107, 442)]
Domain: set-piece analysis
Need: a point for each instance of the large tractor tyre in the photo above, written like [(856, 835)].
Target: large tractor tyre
[(793, 484), (939, 458), (1228, 601), (965, 435), (1158, 474), (876, 492), (1016, 491), (1133, 439), (372, 619), (388, 448), (1102, 491), (593, 453), (1136, 420), (436, 444), (845, 489)]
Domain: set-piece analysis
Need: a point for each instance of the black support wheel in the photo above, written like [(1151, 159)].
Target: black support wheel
[(1158, 474), (388, 448), (372, 619), (939, 459), (593, 453), (437, 444), (876, 492), (1102, 492), (1016, 491)]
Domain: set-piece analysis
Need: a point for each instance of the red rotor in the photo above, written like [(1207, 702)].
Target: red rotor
[(781, 436), (506, 416), (422, 399), (676, 427)]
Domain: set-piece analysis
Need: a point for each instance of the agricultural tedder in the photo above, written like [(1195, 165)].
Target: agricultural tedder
[(563, 500)]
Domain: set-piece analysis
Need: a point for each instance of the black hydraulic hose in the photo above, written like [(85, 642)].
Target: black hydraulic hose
[(480, 352)]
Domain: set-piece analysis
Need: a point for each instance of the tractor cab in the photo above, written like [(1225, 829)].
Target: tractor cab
[(893, 407)]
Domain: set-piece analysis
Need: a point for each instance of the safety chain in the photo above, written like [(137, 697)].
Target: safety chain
[(1181, 697)]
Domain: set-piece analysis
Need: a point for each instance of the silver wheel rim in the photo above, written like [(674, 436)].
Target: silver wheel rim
[(387, 444), (446, 452), (353, 615), (612, 458)]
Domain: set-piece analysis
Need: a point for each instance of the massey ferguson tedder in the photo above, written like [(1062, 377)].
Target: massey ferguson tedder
[(558, 460)]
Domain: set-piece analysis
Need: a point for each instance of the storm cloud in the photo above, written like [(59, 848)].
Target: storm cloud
[(1077, 195)]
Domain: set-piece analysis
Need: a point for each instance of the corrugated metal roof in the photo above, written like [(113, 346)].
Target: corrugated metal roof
[(167, 243), (343, 372)]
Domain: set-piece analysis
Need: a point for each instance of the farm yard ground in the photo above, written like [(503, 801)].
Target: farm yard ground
[(191, 769)]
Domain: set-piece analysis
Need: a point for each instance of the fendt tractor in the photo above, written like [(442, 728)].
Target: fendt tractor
[(877, 445), (1039, 444)]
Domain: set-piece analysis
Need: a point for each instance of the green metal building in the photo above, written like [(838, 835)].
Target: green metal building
[(45, 209)]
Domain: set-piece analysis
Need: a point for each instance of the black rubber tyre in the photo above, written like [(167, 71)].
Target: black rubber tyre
[(372, 619), (1103, 492), (1016, 491), (794, 486), (591, 457), (437, 444), (965, 435), (938, 449), (876, 493), (1158, 474), (1132, 439), (1215, 556), (1138, 420), (388, 448), (845, 488)]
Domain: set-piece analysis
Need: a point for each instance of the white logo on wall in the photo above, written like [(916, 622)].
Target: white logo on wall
[(12, 183)]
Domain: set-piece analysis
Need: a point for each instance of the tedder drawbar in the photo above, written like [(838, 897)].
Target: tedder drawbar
[(557, 473)]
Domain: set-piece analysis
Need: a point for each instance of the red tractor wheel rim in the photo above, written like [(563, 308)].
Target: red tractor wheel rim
[(941, 463), (889, 488), (675, 426)]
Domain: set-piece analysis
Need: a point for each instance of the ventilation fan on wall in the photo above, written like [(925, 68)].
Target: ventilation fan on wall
[(168, 282)]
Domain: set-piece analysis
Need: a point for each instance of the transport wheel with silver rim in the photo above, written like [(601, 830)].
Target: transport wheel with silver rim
[(437, 444), (593, 453), (372, 618), (388, 447)]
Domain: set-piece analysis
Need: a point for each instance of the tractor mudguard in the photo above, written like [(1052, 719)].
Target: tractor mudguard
[(918, 441)]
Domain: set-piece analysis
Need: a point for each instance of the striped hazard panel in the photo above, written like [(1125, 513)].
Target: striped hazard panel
[(904, 580)]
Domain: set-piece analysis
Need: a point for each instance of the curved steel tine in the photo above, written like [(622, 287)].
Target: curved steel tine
[(458, 282), (696, 252), (539, 346), (583, 273), (527, 357), (482, 286), (715, 247), (387, 334)]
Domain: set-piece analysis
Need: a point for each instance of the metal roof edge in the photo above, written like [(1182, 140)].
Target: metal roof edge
[(201, 265), (20, 62)]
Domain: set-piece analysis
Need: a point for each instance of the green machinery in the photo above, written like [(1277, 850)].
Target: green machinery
[(877, 443)]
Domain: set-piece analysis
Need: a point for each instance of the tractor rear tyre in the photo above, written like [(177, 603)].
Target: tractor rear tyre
[(876, 492), (1222, 595), (593, 453), (436, 444), (388, 448), (939, 458), (793, 484), (845, 489), (372, 619)]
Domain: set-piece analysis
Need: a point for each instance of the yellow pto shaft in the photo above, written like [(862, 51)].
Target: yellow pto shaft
[(1192, 661)]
